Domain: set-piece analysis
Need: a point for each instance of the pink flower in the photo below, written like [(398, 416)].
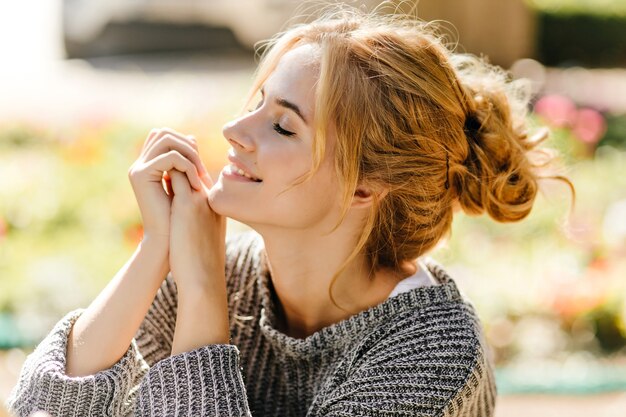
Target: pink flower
[(589, 125), (558, 110)]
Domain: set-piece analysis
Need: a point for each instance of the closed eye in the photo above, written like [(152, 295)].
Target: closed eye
[(276, 126), (282, 131)]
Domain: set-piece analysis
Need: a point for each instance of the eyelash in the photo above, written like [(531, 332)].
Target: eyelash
[(282, 131), (276, 126)]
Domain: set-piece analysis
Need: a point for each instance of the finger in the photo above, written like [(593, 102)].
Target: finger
[(190, 139), (169, 143), (174, 160), (180, 184), (149, 139), (157, 134)]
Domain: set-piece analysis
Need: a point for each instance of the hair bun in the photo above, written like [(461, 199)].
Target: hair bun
[(497, 175)]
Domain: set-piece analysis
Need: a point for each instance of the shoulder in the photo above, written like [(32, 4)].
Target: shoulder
[(435, 353), (441, 334)]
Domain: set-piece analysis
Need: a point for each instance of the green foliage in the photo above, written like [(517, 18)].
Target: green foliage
[(582, 40), (580, 7), (615, 135), (580, 32)]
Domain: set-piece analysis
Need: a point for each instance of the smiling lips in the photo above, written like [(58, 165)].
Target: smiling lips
[(235, 169), (239, 167)]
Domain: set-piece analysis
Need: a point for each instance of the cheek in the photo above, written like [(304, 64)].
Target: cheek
[(285, 163), (321, 192)]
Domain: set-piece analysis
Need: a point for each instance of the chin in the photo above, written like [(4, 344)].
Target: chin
[(216, 201), (223, 204)]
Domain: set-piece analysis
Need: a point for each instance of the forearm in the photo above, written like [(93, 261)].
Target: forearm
[(103, 333), (202, 316)]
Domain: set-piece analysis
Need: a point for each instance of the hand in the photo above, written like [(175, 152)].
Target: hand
[(163, 150), (196, 256), (197, 237)]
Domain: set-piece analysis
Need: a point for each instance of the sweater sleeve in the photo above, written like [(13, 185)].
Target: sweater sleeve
[(43, 384), (206, 381), (418, 373)]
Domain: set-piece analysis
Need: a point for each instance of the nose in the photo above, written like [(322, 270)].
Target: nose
[(236, 134)]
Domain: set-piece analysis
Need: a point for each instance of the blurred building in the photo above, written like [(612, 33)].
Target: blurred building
[(504, 30)]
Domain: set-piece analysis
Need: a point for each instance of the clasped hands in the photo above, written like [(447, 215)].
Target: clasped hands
[(172, 186)]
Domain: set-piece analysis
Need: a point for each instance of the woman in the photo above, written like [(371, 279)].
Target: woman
[(368, 135)]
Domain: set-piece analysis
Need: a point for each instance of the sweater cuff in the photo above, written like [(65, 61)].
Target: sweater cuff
[(206, 381), (43, 384)]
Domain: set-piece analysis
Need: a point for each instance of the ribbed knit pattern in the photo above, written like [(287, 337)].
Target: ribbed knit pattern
[(419, 353)]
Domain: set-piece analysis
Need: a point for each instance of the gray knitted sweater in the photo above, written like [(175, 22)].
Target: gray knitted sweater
[(418, 353)]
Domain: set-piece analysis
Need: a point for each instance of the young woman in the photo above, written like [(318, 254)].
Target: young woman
[(367, 136)]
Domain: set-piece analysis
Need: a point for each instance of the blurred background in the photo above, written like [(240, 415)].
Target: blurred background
[(83, 82)]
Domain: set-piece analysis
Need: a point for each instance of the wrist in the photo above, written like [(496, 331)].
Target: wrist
[(155, 242), (157, 251), (208, 306), (195, 284)]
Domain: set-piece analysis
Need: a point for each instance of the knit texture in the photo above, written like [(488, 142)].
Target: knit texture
[(419, 353)]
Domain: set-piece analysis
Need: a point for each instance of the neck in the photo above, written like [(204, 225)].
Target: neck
[(302, 264)]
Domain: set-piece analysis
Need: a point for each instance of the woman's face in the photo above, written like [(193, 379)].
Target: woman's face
[(274, 141)]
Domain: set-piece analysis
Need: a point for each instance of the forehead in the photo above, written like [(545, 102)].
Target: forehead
[(295, 77)]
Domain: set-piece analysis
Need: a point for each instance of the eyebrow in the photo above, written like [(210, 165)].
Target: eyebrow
[(288, 105)]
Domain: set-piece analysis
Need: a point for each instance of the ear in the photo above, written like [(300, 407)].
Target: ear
[(364, 195)]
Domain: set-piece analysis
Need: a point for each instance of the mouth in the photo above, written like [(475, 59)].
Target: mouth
[(234, 170)]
